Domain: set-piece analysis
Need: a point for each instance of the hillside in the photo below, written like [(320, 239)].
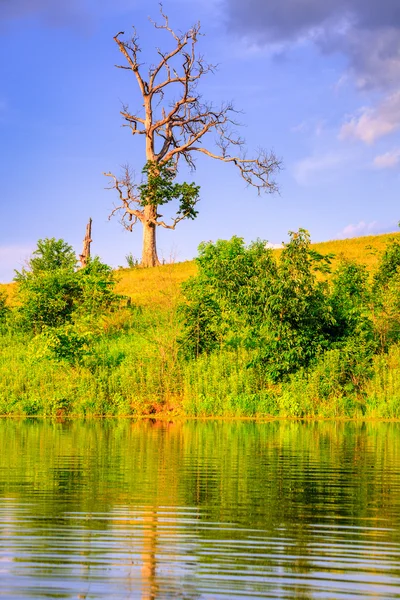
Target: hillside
[(152, 361), (161, 285)]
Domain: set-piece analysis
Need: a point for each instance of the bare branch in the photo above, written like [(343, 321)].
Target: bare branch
[(255, 171), (180, 129), (131, 50), (127, 194)]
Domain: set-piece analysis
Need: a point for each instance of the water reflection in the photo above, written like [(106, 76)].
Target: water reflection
[(199, 510)]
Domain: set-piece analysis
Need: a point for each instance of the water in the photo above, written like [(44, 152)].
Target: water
[(198, 510)]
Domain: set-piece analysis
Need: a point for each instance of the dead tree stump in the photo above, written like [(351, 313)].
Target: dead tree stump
[(84, 257)]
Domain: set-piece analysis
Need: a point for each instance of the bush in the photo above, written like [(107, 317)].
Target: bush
[(65, 343), (245, 297), (386, 298), (52, 293), (50, 255), (4, 309)]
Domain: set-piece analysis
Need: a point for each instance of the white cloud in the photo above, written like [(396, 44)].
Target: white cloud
[(308, 169), (273, 246), (364, 228), (374, 123), (314, 126), (388, 160)]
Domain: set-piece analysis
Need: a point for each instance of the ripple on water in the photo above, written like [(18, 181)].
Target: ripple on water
[(199, 510)]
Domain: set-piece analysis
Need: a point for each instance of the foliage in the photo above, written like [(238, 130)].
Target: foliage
[(159, 188), (52, 292), (131, 261), (96, 288), (47, 299), (264, 333), (4, 308), (64, 343), (244, 297), (50, 255), (350, 300), (386, 298), (389, 265), (298, 321)]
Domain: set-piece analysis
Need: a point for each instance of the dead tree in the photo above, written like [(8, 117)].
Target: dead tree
[(84, 257), (177, 130)]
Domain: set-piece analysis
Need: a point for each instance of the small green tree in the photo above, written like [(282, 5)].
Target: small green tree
[(50, 255), (386, 296), (4, 309), (245, 296), (52, 292), (48, 287), (96, 284)]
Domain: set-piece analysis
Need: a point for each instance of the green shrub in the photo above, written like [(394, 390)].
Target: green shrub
[(386, 299), (65, 343), (52, 293), (4, 309), (244, 297)]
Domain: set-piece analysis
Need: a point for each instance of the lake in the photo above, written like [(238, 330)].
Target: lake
[(192, 510)]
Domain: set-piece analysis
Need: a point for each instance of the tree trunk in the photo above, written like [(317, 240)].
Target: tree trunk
[(84, 257), (149, 248)]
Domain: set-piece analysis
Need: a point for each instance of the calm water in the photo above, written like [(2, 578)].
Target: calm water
[(199, 510)]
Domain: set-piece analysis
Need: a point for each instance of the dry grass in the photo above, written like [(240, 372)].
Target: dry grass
[(9, 289), (160, 286), (364, 250), (156, 287)]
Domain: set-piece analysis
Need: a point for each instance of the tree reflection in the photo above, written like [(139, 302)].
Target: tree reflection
[(163, 508)]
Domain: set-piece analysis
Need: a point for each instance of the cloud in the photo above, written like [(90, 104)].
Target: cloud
[(389, 160), (307, 170), (313, 126), (52, 12), (366, 31), (374, 123), (274, 246), (363, 228), (62, 13)]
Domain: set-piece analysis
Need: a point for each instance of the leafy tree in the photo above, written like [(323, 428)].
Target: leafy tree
[(283, 308), (50, 255), (350, 300), (226, 300), (177, 131), (96, 282), (389, 265), (386, 298), (47, 299), (52, 292), (245, 296), (4, 309), (298, 320)]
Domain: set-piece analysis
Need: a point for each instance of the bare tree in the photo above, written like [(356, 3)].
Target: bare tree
[(176, 130), (85, 256)]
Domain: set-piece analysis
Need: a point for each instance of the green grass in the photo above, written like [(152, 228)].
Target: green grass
[(134, 367)]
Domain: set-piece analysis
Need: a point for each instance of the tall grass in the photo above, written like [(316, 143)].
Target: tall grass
[(139, 373), (134, 367)]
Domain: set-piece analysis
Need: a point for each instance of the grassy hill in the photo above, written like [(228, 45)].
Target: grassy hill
[(133, 366), (158, 286)]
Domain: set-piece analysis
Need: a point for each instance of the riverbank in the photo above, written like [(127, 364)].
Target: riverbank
[(132, 365)]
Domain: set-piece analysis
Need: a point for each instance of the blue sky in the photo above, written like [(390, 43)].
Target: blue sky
[(318, 83)]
